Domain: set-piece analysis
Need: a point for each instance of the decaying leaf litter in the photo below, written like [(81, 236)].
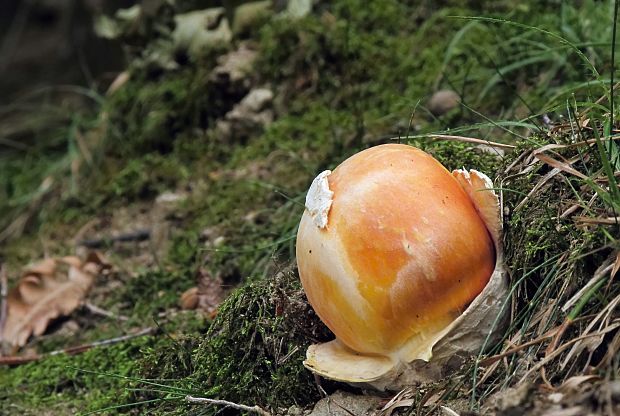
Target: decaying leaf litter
[(239, 194), (44, 292)]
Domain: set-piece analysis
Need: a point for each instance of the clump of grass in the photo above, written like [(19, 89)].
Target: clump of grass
[(557, 243), (147, 114), (44, 150)]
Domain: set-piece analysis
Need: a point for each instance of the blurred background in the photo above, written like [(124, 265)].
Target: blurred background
[(49, 43)]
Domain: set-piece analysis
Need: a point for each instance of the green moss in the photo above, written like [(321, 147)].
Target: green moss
[(147, 115), (350, 58), (146, 177), (536, 234), (253, 351), (64, 384), (456, 155), (152, 292), (102, 377)]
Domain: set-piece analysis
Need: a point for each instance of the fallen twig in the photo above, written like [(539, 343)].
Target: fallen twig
[(469, 140), (16, 360), (597, 221), (562, 348), (204, 400), (139, 235), (3, 303), (490, 360), (99, 311)]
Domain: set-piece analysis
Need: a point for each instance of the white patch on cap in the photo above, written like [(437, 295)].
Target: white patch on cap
[(319, 199)]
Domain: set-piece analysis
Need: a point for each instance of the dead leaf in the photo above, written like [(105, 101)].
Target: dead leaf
[(189, 298), (46, 290), (402, 399), (574, 382), (447, 411), (235, 67), (563, 166), (207, 295), (198, 31)]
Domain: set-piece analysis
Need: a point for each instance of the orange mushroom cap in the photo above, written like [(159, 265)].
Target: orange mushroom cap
[(393, 251)]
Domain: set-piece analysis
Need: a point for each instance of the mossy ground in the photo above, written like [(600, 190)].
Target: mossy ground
[(350, 75)]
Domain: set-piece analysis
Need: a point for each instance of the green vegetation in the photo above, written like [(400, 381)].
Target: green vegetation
[(59, 385), (349, 75), (253, 351)]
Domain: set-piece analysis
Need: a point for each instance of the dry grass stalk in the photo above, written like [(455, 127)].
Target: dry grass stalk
[(471, 140), (204, 400), (3, 302)]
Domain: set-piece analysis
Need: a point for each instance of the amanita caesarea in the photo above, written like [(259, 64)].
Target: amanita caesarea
[(402, 260)]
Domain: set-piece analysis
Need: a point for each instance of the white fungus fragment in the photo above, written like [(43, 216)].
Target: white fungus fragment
[(319, 199), (487, 181), (484, 178)]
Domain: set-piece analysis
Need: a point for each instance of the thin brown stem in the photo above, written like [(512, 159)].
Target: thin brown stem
[(204, 400)]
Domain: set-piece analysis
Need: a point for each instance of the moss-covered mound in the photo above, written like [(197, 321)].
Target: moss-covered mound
[(254, 349)]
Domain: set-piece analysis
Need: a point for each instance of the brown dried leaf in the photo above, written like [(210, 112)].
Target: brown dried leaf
[(211, 292), (563, 166), (574, 382), (189, 298), (46, 290), (207, 295), (402, 399)]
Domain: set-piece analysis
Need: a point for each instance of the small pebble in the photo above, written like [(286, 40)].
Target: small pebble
[(443, 101)]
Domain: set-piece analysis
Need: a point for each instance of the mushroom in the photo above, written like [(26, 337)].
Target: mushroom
[(402, 260)]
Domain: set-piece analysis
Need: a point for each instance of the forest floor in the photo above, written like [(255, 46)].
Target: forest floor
[(182, 185)]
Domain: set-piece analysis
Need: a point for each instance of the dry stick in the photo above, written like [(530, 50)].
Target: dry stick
[(204, 400), (139, 235), (562, 348), (15, 360), (549, 334), (600, 221), (3, 302), (94, 309), (470, 140), (490, 360)]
